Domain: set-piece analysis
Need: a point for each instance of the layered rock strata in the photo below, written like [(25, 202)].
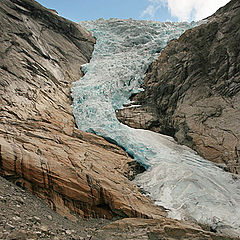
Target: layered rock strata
[(40, 147), (192, 92), (166, 229)]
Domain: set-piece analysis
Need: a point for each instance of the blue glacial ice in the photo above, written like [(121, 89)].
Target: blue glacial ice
[(190, 187)]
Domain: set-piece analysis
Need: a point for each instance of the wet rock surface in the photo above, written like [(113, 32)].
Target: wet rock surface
[(192, 90)]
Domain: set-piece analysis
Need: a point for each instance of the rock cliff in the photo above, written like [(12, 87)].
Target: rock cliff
[(192, 92), (40, 147)]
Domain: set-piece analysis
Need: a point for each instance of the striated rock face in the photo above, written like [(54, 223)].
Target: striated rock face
[(40, 148), (192, 92)]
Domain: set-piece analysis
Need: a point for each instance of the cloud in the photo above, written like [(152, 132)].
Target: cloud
[(152, 9), (185, 10)]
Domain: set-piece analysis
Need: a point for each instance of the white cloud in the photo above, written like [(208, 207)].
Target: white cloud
[(150, 11), (185, 10)]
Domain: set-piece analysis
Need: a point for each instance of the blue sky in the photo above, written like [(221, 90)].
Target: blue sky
[(159, 10), (77, 10)]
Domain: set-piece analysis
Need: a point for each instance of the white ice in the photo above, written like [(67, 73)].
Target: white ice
[(190, 187)]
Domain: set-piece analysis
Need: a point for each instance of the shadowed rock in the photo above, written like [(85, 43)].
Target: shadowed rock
[(192, 92)]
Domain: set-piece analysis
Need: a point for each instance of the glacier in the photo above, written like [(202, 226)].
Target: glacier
[(188, 186)]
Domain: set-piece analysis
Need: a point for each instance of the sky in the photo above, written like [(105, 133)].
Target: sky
[(157, 10)]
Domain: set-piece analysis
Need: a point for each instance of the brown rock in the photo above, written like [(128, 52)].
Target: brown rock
[(137, 117), (193, 90), (40, 148), (21, 235), (165, 228)]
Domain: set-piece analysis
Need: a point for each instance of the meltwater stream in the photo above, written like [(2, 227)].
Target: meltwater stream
[(190, 187)]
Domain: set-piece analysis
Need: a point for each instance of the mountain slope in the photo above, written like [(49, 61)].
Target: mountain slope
[(40, 148), (192, 90)]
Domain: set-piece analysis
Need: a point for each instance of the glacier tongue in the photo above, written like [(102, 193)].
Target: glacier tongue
[(178, 179)]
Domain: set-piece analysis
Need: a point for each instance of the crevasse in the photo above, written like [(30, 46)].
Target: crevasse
[(190, 187)]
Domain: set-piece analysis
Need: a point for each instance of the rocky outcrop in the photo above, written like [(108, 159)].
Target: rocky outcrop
[(166, 229), (193, 90), (138, 116), (40, 148)]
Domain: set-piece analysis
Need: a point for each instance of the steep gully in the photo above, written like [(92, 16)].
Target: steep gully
[(190, 187)]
